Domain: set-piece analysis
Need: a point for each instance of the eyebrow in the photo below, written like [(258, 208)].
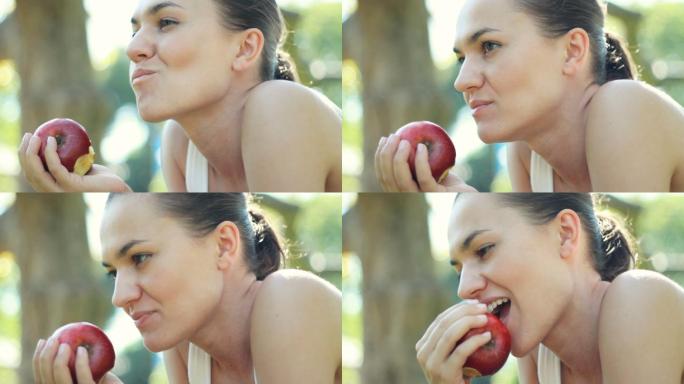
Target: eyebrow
[(476, 35), (123, 250), (466, 243), (156, 8)]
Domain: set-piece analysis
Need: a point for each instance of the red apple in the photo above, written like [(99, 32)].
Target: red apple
[(93, 339), (489, 358), (74, 148), (441, 151)]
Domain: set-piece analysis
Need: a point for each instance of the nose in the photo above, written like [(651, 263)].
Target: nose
[(140, 47), (126, 290), (469, 77), (471, 283)]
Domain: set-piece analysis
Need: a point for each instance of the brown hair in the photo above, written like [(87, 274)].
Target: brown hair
[(611, 61), (201, 213), (264, 15), (610, 244)]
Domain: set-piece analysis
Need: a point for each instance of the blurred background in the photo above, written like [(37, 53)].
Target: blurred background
[(396, 276), (399, 66), (66, 58), (50, 272)]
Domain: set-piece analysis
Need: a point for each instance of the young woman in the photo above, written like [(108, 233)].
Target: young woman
[(236, 120), (544, 76), (199, 274), (574, 311)]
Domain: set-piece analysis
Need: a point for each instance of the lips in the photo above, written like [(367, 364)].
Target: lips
[(141, 318), (140, 74), (478, 106)]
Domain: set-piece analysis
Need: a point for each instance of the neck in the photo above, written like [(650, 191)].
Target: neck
[(229, 346), (574, 339), (215, 129), (561, 139)]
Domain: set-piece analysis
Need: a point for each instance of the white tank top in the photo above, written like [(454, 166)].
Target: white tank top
[(548, 366), (199, 366), (541, 174), (196, 170)]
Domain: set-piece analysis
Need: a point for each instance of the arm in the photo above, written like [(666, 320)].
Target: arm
[(296, 330), (173, 150), (632, 138), (291, 139), (516, 152), (641, 338)]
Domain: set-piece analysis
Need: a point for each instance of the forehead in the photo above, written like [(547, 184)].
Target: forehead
[(145, 6), (130, 216), (476, 15), (478, 211)]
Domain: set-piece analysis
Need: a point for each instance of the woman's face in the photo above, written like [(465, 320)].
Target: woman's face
[(510, 74), (180, 56), (500, 254), (162, 273)]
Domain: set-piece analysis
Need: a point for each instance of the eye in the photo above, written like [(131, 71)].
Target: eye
[(484, 250), (139, 258), (163, 23), (489, 46)]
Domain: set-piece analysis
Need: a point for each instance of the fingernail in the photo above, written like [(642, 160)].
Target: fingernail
[(482, 306), (488, 335), (62, 348), (482, 317)]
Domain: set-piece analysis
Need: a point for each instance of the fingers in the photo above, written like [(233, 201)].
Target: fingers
[(457, 359), (36, 361), (385, 158), (32, 166), (402, 171), (426, 182), (436, 347), (47, 356), (60, 367), (83, 374)]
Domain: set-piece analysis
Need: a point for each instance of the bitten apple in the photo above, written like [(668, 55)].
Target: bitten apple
[(100, 350), (74, 148), (441, 151), (489, 358)]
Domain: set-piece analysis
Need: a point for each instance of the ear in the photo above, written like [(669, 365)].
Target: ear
[(577, 51), (228, 247), (569, 229), (251, 46)]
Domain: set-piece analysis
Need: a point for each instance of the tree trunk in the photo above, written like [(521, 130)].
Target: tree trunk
[(57, 79), (399, 79), (47, 233), (401, 294)]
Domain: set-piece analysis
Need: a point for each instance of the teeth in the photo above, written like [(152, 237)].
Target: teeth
[(491, 306)]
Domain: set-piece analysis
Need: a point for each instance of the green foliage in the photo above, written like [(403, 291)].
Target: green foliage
[(661, 225)]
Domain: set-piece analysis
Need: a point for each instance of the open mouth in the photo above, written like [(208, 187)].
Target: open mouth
[(500, 307)]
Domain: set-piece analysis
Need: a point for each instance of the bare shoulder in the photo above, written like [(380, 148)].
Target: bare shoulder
[(295, 333), (288, 99), (640, 332), (624, 105), (291, 286), (634, 135)]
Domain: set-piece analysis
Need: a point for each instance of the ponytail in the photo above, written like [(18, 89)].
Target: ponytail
[(267, 249), (285, 68), (617, 246), (618, 60)]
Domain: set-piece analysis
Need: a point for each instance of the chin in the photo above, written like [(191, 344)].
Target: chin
[(151, 114), (156, 344)]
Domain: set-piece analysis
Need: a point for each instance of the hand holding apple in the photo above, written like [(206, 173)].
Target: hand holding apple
[(489, 358), (441, 151), (74, 148), (100, 350)]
